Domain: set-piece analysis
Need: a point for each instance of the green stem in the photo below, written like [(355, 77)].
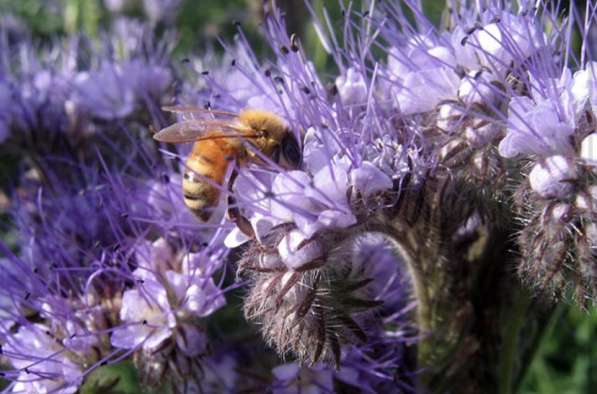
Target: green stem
[(511, 343), (423, 308), (419, 289)]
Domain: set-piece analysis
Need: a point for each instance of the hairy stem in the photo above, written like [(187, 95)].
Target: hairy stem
[(420, 291)]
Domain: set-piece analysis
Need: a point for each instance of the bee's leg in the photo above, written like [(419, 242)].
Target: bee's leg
[(234, 214)]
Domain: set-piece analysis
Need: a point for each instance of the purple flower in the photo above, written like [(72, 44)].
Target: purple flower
[(87, 252), (322, 202), (543, 123), (314, 203), (371, 374), (295, 251), (43, 103), (147, 316), (147, 80), (359, 371), (352, 87), (427, 68), (310, 202), (106, 93), (253, 191), (294, 379), (507, 37), (42, 361), (313, 200), (476, 87), (374, 255), (127, 272), (171, 288), (424, 74)]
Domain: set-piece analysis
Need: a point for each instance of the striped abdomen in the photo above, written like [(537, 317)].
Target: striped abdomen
[(204, 174)]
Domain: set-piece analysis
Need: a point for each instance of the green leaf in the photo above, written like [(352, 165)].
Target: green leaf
[(121, 378)]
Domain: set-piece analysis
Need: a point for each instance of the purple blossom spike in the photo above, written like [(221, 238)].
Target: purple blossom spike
[(94, 278)]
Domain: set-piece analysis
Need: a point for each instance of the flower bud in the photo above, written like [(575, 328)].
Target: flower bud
[(588, 149), (552, 177), (587, 201), (295, 250), (476, 88), (450, 117), (352, 87), (482, 134)]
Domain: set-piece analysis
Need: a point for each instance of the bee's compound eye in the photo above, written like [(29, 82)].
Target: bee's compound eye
[(276, 154), (291, 150)]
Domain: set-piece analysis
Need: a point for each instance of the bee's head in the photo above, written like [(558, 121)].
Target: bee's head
[(277, 141)]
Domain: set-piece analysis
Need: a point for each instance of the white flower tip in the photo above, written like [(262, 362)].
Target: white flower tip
[(295, 250), (443, 54), (551, 177), (561, 212), (587, 201), (235, 238), (270, 261), (588, 148)]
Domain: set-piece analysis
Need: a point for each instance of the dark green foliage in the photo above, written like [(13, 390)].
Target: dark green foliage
[(119, 378), (567, 359)]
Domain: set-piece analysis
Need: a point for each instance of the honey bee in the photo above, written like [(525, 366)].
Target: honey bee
[(221, 138)]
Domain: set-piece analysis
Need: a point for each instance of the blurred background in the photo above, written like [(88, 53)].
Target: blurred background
[(567, 358)]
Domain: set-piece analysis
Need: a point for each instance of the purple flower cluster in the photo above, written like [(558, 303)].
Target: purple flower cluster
[(112, 274), (156, 11), (107, 264), (53, 94)]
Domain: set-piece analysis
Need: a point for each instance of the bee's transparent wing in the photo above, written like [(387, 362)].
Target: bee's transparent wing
[(189, 112), (196, 129)]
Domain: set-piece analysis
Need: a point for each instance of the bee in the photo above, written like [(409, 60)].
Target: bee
[(221, 138)]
